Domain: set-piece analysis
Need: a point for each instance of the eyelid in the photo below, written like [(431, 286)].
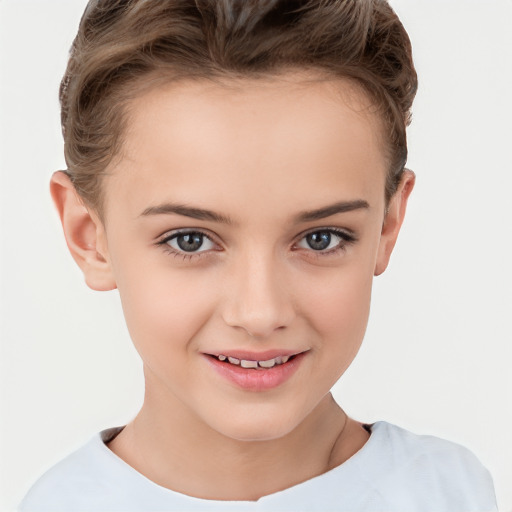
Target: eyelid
[(173, 233), (345, 233), (347, 236), (162, 241)]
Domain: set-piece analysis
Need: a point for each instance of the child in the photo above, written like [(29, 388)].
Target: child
[(236, 171)]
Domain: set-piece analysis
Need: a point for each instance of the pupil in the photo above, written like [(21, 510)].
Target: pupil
[(319, 241), (190, 242)]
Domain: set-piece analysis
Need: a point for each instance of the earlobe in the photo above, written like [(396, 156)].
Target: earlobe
[(393, 221), (84, 233)]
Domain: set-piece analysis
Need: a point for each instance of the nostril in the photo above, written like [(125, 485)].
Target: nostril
[(259, 303)]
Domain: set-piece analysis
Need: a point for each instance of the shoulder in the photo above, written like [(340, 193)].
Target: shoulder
[(444, 474), (408, 448), (74, 482)]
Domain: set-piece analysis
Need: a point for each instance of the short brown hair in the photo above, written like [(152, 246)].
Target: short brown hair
[(123, 43)]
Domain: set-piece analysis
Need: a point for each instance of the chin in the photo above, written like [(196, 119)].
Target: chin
[(251, 433), (257, 426)]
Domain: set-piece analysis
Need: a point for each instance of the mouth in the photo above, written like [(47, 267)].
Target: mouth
[(254, 364), (256, 372)]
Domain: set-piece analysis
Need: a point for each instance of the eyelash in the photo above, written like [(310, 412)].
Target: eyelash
[(346, 239), (164, 243)]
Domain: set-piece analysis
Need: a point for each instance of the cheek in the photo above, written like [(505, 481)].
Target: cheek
[(337, 306), (341, 308), (163, 308)]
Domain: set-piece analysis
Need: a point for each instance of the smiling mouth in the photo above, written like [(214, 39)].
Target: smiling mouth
[(254, 365)]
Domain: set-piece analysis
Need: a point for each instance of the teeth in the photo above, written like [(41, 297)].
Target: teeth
[(248, 364), (244, 363)]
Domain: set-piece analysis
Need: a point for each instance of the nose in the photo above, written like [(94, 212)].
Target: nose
[(258, 297)]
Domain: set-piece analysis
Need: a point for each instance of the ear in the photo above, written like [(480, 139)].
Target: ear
[(393, 221), (84, 232)]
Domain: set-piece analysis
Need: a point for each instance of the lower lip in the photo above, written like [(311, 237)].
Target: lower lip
[(257, 380)]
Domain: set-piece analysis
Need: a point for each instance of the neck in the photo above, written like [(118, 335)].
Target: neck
[(178, 451)]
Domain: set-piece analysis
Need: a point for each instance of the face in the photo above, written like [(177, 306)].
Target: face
[(242, 228)]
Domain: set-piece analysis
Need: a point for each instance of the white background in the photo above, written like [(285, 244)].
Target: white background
[(437, 356)]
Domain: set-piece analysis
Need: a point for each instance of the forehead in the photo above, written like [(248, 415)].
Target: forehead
[(290, 134)]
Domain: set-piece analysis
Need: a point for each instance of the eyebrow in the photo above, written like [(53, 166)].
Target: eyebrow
[(186, 211), (333, 209), (203, 214)]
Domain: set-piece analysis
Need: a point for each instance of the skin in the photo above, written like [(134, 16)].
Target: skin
[(258, 153)]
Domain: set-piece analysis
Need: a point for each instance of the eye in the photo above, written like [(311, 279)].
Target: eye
[(325, 240), (189, 242)]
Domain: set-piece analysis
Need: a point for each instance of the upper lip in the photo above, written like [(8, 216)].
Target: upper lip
[(248, 355)]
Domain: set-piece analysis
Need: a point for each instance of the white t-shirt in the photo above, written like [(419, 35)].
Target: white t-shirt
[(395, 471)]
